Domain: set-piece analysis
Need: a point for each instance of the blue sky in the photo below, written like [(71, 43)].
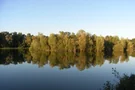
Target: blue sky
[(101, 17)]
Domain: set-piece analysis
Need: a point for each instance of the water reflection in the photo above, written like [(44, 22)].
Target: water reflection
[(62, 60), (11, 57)]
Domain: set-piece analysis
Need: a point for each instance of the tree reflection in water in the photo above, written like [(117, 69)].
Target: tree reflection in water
[(81, 60), (69, 59), (63, 60), (11, 57)]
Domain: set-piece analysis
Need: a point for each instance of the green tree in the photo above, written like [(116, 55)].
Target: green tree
[(99, 44), (81, 35), (35, 45), (129, 47), (43, 42), (28, 40), (89, 43), (52, 41), (72, 43), (133, 41)]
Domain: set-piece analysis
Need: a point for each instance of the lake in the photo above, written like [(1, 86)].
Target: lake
[(22, 70)]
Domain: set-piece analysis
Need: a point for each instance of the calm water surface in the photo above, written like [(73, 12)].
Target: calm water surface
[(22, 70)]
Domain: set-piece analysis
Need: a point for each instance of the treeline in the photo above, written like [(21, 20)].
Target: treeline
[(15, 40), (67, 42), (81, 42)]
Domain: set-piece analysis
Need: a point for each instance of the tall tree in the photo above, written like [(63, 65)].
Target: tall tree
[(35, 45), (99, 44), (28, 40), (43, 42), (81, 35), (129, 47), (53, 42)]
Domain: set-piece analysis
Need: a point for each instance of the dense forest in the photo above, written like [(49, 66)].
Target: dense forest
[(81, 49), (67, 42), (15, 40)]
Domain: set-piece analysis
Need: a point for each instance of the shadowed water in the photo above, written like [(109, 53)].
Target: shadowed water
[(24, 70)]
